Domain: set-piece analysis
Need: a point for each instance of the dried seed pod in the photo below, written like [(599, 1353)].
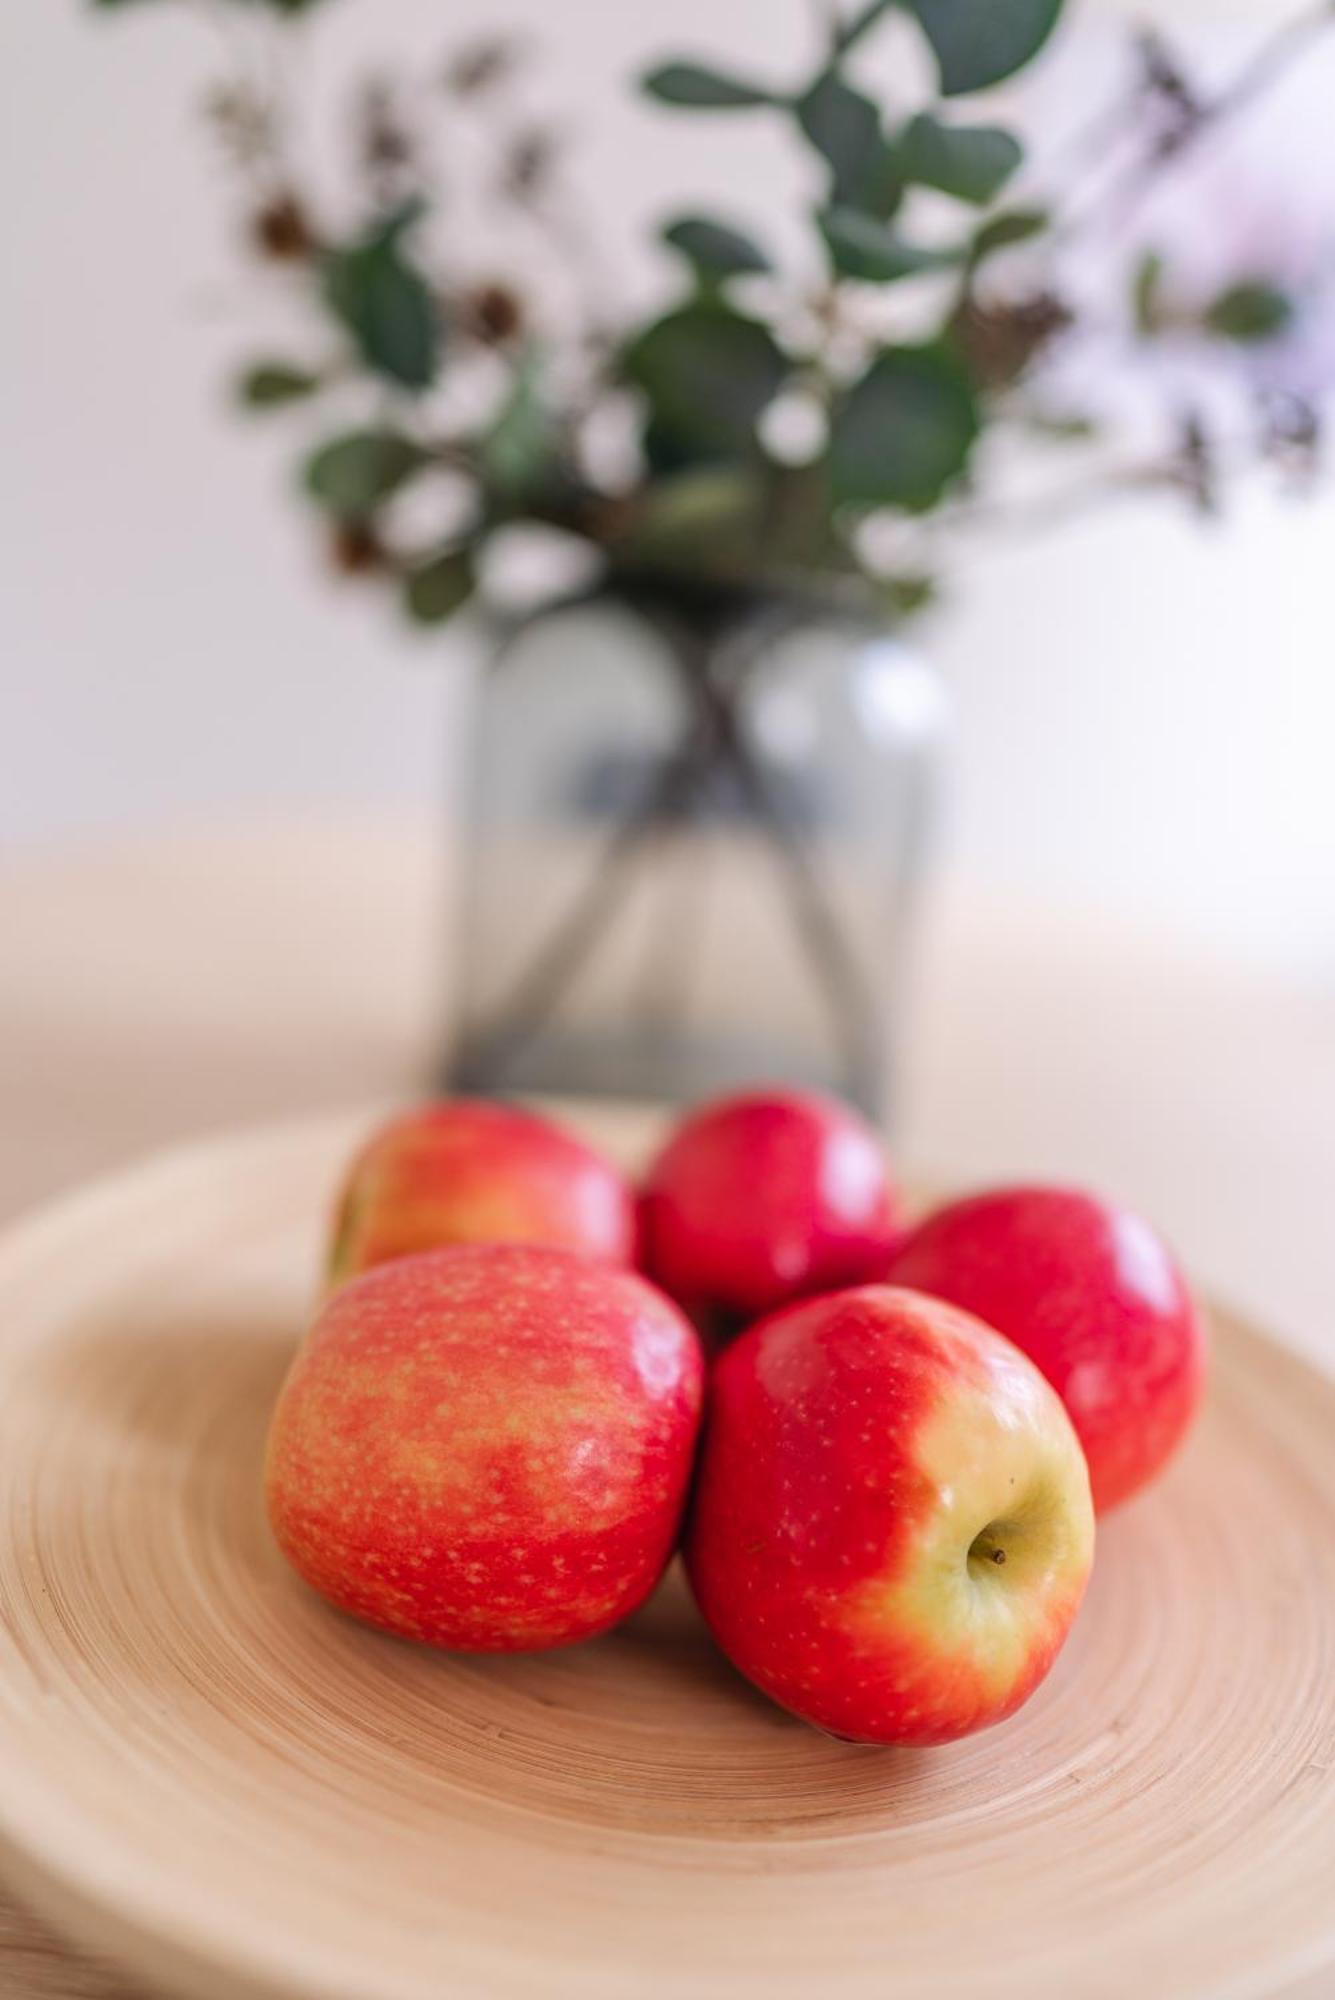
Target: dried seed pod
[(355, 549), (494, 313), (281, 229)]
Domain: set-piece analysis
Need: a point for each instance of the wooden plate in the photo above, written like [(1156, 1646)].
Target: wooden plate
[(239, 1793)]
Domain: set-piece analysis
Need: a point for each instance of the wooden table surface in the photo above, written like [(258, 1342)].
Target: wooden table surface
[(151, 991)]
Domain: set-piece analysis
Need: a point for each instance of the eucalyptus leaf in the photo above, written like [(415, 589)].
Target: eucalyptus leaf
[(715, 250), (520, 445), (906, 596), (861, 23), (1146, 290), (882, 185), (1062, 427), (707, 373), (710, 518), (845, 128), (1001, 232), (971, 162), (1251, 311), (904, 431), (798, 530), (352, 475), (862, 247), (437, 589), (386, 305), (691, 86), (270, 384), (979, 42)]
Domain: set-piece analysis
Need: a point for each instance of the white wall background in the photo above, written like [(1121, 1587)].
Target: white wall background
[(1146, 709)]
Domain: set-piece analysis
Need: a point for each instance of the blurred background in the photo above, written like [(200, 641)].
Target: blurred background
[(176, 650), (227, 767)]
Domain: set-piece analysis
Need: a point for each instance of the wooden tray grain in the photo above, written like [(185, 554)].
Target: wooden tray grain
[(238, 1793)]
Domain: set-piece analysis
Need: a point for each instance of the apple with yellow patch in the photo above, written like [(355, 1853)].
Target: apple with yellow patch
[(487, 1447), (467, 1170), (892, 1528)]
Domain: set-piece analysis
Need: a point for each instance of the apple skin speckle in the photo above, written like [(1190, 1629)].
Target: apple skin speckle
[(487, 1447)]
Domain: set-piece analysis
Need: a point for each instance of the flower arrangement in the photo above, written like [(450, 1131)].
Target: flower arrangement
[(837, 425)]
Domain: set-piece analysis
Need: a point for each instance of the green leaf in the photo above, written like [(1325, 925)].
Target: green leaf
[(1146, 288), (798, 529), (692, 86), (707, 372), (715, 250), (1250, 312), (973, 163), (845, 128), (883, 182), (904, 431), (908, 595), (351, 475), (978, 42), (385, 304), (271, 383), (437, 589), (1062, 426), (1013, 225), (708, 519), (861, 247), (861, 23), (519, 447)]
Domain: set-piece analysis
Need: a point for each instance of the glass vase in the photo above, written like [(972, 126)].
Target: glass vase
[(694, 842)]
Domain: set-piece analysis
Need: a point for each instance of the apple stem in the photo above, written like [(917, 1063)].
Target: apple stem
[(984, 1549)]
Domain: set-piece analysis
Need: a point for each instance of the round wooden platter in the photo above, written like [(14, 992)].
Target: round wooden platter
[(209, 1774)]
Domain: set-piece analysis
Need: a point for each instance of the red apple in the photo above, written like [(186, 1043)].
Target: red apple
[(763, 1198), (468, 1171), (892, 1528), (1092, 1295), (487, 1447)]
